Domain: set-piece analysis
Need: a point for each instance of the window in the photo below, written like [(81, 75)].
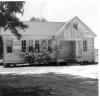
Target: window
[(49, 46), (30, 48), (37, 45), (23, 45), (9, 46), (44, 44), (84, 45), (75, 26)]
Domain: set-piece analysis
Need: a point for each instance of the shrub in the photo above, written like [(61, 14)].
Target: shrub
[(41, 57), (28, 57)]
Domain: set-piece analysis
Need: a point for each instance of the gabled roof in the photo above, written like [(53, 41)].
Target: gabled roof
[(83, 30), (82, 27), (52, 28), (39, 28)]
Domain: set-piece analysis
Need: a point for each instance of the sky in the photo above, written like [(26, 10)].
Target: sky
[(63, 10)]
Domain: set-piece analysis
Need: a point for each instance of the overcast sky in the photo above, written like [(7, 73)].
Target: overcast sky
[(63, 10)]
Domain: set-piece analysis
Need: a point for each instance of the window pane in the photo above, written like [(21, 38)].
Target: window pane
[(30, 42), (23, 45), (75, 26), (9, 46), (37, 45), (84, 45), (30, 48)]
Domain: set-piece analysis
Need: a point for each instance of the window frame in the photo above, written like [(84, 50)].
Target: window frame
[(10, 46), (30, 47), (23, 45), (75, 26), (37, 46), (85, 47)]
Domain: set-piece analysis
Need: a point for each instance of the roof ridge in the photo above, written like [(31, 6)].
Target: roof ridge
[(44, 21)]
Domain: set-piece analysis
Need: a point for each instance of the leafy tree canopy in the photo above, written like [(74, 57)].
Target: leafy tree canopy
[(8, 18)]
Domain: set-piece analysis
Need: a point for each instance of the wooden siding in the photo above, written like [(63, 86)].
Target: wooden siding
[(71, 34), (85, 30), (89, 54), (15, 56), (65, 50), (79, 49)]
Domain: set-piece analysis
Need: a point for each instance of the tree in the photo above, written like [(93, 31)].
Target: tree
[(8, 18), (38, 19), (32, 19)]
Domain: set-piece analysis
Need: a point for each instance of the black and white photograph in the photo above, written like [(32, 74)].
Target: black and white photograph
[(49, 48)]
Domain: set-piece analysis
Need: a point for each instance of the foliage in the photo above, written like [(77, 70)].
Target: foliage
[(35, 57), (8, 18), (42, 57), (28, 56), (38, 19)]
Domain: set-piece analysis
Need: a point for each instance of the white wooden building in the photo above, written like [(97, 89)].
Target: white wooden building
[(73, 38)]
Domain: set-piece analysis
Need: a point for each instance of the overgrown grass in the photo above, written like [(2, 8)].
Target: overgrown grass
[(29, 91), (47, 85)]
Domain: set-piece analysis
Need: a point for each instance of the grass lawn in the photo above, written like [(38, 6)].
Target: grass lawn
[(47, 85)]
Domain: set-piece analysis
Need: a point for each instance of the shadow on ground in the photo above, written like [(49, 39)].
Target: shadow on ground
[(51, 64), (47, 85)]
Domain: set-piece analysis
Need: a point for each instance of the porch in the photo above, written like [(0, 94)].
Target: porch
[(69, 50)]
